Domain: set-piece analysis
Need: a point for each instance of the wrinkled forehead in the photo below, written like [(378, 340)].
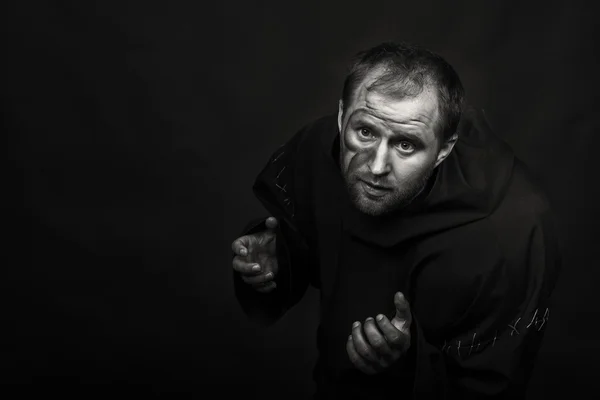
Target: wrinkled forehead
[(375, 84), (393, 107)]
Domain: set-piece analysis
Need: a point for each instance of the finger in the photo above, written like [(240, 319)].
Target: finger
[(240, 246), (378, 341), (265, 288), (402, 309), (246, 268), (356, 359), (396, 338), (362, 346), (262, 278), (271, 223)]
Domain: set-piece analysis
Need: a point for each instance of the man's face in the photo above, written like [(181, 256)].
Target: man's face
[(389, 148)]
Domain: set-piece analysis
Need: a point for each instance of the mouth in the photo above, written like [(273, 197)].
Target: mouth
[(374, 190)]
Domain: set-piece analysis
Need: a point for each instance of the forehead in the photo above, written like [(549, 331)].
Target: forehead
[(421, 110), (418, 114)]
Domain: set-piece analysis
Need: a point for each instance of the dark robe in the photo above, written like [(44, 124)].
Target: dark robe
[(475, 255)]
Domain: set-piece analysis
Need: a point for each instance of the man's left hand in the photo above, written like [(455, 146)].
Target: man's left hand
[(379, 342)]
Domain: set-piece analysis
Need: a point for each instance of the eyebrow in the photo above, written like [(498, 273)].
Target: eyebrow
[(396, 134), (407, 135)]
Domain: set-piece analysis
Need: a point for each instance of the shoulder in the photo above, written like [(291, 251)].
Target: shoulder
[(316, 136), (499, 247), (524, 196), (279, 185), (319, 132), (308, 144), (499, 259), (524, 214), (516, 246), (313, 138), (523, 209)]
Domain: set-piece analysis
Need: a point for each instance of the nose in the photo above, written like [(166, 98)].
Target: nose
[(379, 164)]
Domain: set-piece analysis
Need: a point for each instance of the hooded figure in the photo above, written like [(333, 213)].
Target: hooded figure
[(473, 254)]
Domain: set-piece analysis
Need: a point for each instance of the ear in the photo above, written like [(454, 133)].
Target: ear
[(446, 149), (340, 115)]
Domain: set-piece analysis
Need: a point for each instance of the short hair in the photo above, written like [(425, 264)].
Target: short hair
[(407, 70)]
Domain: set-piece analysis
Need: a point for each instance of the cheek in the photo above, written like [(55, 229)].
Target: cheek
[(354, 155), (354, 161), (351, 142), (357, 160), (413, 168)]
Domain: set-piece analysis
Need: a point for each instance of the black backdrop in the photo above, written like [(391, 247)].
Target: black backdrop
[(134, 131)]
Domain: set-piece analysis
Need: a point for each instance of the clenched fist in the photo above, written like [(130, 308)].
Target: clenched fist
[(379, 343), (256, 258)]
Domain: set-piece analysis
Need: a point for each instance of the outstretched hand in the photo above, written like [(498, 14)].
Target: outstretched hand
[(378, 343), (256, 258)]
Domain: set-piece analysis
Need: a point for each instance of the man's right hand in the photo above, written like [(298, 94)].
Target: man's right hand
[(256, 258)]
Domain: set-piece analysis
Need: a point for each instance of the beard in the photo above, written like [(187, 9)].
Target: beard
[(396, 199)]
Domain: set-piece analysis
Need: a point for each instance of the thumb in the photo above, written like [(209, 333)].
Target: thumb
[(271, 223), (403, 314)]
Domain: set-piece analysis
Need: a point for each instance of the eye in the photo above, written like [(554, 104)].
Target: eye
[(406, 147), (364, 133)]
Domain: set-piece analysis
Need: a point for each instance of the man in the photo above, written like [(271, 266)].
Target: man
[(433, 251)]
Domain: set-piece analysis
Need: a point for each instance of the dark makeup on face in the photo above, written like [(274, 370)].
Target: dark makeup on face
[(388, 149)]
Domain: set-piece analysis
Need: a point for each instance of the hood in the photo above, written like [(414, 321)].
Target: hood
[(467, 186)]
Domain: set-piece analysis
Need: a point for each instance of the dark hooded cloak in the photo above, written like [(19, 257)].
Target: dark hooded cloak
[(475, 255)]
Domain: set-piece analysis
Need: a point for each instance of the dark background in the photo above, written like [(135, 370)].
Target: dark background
[(134, 131)]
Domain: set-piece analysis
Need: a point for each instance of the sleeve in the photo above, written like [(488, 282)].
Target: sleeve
[(275, 188), (490, 350)]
